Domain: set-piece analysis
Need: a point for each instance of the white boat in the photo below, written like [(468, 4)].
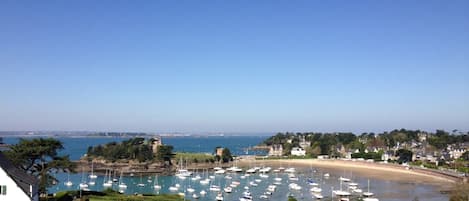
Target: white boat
[(190, 190), (173, 188), (253, 183), (204, 182), (290, 170), (370, 199), (92, 175), (368, 193), (68, 183), (83, 185), (122, 185), (258, 180), (228, 177), (197, 177), (271, 188), (315, 190), (264, 175), (327, 175), (357, 190), (92, 183), (265, 169), (265, 197), (203, 192), (219, 197), (246, 196), (214, 188), (318, 196), (344, 179), (235, 169), (195, 196), (228, 189), (294, 186), (341, 193), (292, 177), (156, 186), (251, 171), (107, 184), (278, 179), (222, 171), (121, 182), (141, 184)]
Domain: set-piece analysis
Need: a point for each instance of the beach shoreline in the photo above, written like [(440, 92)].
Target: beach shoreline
[(392, 172)]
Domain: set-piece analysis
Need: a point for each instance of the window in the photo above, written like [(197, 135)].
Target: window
[(3, 190)]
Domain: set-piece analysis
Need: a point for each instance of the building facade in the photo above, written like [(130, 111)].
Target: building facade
[(15, 184)]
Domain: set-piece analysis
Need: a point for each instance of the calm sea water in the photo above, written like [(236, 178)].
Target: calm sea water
[(385, 190), (76, 147)]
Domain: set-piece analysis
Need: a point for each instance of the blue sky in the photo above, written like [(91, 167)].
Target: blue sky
[(234, 66)]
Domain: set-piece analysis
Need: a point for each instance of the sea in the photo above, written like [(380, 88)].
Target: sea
[(385, 190)]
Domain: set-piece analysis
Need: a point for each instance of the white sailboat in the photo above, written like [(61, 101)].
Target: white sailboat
[(107, 182), (122, 185), (156, 186), (83, 184), (141, 184), (368, 193), (92, 175), (68, 183)]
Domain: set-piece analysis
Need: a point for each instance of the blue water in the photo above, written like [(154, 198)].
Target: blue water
[(76, 147)]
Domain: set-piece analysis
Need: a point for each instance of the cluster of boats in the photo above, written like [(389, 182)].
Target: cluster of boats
[(232, 181)]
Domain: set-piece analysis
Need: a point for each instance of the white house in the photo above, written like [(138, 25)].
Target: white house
[(276, 150), (15, 184), (298, 151)]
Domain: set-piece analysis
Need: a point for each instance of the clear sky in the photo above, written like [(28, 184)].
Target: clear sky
[(234, 66)]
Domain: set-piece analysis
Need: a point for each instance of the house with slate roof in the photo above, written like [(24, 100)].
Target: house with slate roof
[(16, 184)]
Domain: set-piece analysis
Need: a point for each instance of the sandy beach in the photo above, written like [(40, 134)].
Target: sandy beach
[(391, 172)]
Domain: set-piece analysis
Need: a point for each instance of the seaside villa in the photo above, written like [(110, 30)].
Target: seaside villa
[(15, 184), (298, 151), (276, 150)]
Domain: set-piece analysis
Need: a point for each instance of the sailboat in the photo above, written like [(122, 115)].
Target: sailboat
[(68, 183), (83, 184), (107, 182), (92, 175), (141, 184), (219, 197), (368, 193), (155, 185), (190, 189), (122, 185)]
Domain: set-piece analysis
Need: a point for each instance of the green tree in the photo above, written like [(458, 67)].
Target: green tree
[(40, 158), (404, 155), (465, 156), (165, 153), (226, 155), (291, 198)]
